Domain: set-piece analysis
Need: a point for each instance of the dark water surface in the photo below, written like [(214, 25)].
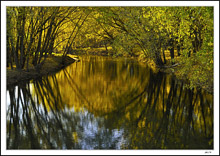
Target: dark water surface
[(104, 103)]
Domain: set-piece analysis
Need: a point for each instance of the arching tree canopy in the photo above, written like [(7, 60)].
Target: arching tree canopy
[(185, 34)]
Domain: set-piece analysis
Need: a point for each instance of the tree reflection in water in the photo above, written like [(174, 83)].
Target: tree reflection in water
[(108, 104)]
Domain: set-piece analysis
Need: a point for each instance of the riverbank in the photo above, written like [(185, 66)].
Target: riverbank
[(189, 78), (52, 64)]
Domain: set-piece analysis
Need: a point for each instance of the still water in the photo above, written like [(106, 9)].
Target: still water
[(105, 103)]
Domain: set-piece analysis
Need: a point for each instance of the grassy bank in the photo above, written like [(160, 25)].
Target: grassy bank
[(51, 65)]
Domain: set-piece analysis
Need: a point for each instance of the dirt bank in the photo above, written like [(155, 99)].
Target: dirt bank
[(53, 64)]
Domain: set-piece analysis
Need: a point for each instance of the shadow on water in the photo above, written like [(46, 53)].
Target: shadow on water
[(102, 103)]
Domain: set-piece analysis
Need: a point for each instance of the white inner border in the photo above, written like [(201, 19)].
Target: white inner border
[(110, 3)]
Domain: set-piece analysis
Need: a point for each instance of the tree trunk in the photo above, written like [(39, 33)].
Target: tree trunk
[(8, 53), (22, 33), (38, 49), (189, 53), (172, 55), (159, 61), (178, 50), (106, 48), (27, 64), (164, 57), (16, 53)]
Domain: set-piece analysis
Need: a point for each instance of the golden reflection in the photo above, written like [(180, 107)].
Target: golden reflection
[(126, 92), (82, 85), (152, 110)]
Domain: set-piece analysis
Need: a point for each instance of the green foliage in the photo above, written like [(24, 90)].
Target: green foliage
[(38, 31), (187, 29), (35, 32)]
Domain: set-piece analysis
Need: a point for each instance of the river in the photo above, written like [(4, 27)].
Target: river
[(108, 103)]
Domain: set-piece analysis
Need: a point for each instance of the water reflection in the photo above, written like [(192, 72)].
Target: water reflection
[(103, 103)]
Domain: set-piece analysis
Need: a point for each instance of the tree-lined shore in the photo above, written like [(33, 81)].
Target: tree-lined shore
[(176, 38)]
